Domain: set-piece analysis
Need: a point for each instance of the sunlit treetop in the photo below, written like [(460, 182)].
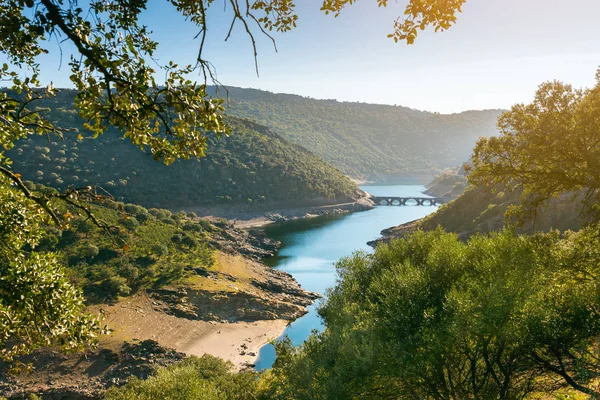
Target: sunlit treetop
[(548, 148)]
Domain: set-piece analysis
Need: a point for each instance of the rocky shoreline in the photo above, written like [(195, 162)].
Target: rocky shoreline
[(395, 232), (257, 219)]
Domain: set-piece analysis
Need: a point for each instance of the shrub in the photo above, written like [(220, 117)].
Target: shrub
[(189, 241), (160, 250), (192, 226), (206, 378), (48, 242), (205, 224), (82, 226), (116, 285), (177, 238), (130, 223), (130, 273), (90, 251)]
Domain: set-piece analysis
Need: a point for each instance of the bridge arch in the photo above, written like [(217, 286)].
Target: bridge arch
[(406, 201)]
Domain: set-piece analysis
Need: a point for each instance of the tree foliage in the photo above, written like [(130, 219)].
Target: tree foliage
[(433, 317), (39, 306), (548, 148)]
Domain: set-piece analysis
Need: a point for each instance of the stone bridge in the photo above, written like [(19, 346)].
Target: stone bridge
[(406, 201)]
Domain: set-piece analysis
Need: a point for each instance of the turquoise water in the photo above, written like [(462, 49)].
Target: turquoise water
[(310, 249)]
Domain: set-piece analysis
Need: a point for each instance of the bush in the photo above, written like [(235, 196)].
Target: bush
[(192, 227), (139, 212), (48, 242), (206, 378), (177, 238), (82, 226), (130, 223), (90, 251), (130, 273), (205, 224), (116, 286), (189, 241), (156, 213), (100, 273), (160, 250)]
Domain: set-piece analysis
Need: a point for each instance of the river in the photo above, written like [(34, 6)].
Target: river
[(310, 248)]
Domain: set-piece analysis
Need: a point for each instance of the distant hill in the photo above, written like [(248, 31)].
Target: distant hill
[(482, 210), (448, 184), (368, 141), (253, 167)]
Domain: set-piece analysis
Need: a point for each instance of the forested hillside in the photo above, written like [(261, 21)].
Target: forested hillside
[(376, 142), (253, 166), (483, 210)]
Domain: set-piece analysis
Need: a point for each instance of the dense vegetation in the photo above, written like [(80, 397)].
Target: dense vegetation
[(134, 247), (206, 378), (433, 317), (366, 140), (481, 209), (252, 167)]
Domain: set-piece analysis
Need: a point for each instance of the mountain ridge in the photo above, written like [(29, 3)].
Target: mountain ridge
[(381, 143)]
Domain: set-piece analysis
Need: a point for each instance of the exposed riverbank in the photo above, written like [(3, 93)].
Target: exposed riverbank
[(395, 232), (256, 219)]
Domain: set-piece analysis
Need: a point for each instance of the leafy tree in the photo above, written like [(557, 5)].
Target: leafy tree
[(160, 250), (431, 317), (130, 223), (38, 305), (116, 286), (548, 148), (91, 251)]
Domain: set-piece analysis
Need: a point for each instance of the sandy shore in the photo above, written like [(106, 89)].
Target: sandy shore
[(239, 342), (136, 319)]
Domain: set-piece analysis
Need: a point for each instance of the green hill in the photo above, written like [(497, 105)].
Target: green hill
[(253, 167), (482, 210), (368, 141)]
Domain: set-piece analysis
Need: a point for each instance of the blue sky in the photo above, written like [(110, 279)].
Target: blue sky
[(496, 55)]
